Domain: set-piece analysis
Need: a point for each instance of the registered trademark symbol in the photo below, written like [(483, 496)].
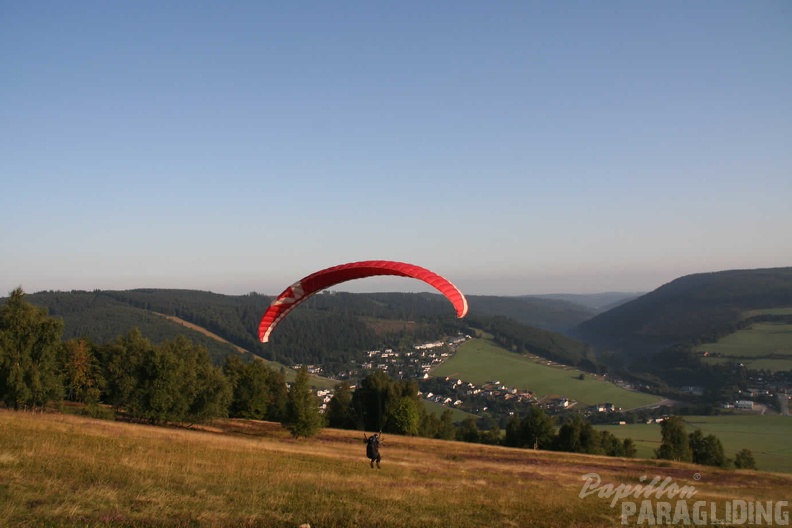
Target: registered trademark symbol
[(697, 476)]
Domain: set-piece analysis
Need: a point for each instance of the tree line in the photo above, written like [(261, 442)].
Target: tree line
[(677, 444)]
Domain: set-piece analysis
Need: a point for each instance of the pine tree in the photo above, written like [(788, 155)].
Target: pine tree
[(303, 417)]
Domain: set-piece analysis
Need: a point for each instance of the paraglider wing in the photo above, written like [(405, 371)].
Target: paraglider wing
[(304, 288)]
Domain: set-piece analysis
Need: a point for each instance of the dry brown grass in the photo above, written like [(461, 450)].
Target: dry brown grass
[(63, 470)]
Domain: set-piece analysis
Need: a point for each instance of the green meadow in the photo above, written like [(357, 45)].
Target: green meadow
[(768, 436), (479, 361), (762, 346)]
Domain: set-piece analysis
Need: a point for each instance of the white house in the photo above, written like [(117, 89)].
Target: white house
[(744, 404)]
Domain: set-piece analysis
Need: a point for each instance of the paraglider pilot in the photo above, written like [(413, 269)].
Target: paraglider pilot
[(372, 448)]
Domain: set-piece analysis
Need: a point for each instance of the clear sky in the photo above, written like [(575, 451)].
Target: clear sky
[(515, 147)]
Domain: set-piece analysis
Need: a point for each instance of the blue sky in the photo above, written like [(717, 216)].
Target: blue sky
[(514, 147)]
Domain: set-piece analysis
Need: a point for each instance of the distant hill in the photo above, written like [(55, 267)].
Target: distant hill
[(333, 329), (599, 302), (557, 315), (688, 308), (104, 316)]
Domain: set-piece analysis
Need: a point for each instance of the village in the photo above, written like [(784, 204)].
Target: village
[(497, 399), (491, 397)]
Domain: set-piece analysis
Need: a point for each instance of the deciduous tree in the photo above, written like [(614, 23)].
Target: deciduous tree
[(407, 417), (339, 410), (578, 436), (29, 345), (744, 459), (303, 418), (81, 375), (674, 444), (706, 450), (251, 391)]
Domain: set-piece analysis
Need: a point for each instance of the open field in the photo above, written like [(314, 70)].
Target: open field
[(65, 470), (773, 365), (762, 346), (770, 311), (767, 436), (479, 361)]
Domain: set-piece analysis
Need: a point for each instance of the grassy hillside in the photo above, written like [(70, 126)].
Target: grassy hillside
[(67, 471), (766, 346), (479, 361), (767, 436), (688, 308)]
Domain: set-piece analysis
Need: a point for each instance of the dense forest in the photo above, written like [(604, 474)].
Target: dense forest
[(332, 329)]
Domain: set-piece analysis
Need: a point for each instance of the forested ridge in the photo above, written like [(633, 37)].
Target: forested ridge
[(333, 329), (688, 308), (648, 339)]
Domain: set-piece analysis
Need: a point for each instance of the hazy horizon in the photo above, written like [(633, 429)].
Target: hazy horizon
[(373, 285)]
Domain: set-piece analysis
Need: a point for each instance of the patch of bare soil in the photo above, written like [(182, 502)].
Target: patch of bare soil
[(200, 329)]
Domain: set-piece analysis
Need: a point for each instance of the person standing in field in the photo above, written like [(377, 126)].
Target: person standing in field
[(372, 448)]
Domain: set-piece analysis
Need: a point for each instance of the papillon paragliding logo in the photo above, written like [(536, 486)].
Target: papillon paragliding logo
[(303, 289), (662, 502)]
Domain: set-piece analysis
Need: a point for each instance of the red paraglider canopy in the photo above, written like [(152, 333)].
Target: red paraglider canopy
[(304, 288)]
